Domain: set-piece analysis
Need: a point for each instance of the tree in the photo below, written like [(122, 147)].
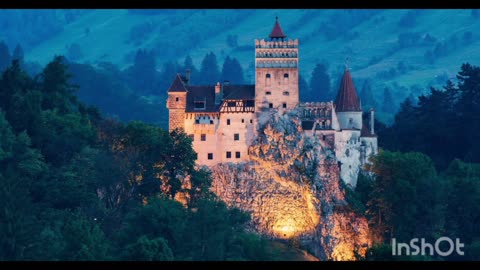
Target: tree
[(84, 239), (194, 73), (320, 84), (303, 88), (366, 96), (232, 71), (468, 107), (56, 86), (388, 105), (18, 54), (20, 166), (463, 197), (160, 217), (4, 56), (143, 73), (209, 73), (145, 249), (404, 192)]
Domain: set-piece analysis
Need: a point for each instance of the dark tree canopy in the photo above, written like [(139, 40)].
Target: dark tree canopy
[(320, 89), (232, 71), (209, 74)]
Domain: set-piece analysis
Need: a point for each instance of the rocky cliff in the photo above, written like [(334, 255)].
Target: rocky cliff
[(292, 189)]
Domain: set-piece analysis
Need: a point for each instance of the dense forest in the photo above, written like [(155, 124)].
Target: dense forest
[(78, 183), (426, 181), (78, 186)]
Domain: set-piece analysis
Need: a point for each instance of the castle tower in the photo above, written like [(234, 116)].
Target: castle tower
[(176, 104), (276, 71), (347, 104)]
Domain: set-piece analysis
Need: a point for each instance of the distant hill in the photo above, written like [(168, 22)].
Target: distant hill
[(405, 50)]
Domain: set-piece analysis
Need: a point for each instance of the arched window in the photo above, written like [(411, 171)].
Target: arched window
[(285, 75), (267, 79), (285, 78), (268, 76)]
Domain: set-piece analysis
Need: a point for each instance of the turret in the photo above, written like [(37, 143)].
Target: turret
[(177, 103), (347, 104)]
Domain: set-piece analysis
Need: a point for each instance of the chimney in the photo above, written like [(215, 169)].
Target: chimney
[(187, 76), (372, 120), (218, 93)]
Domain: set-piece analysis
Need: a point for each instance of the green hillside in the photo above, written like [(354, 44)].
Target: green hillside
[(376, 42)]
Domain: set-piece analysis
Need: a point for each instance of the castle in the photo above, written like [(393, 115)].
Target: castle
[(222, 119)]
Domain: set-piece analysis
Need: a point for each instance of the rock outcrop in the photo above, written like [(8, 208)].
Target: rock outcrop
[(291, 188)]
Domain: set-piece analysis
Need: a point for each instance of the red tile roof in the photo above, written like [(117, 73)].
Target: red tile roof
[(277, 31), (347, 98), (177, 85)]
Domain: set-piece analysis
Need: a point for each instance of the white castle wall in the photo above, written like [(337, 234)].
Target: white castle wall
[(350, 120), (347, 151)]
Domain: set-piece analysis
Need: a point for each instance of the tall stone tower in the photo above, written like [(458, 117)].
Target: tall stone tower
[(176, 104), (276, 71)]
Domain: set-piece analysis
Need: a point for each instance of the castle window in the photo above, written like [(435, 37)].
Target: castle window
[(286, 93), (243, 120), (270, 105), (211, 122), (199, 105), (267, 79), (210, 155), (229, 154), (192, 137), (203, 137), (236, 137), (268, 76), (347, 153), (197, 121), (284, 105), (237, 154), (176, 99), (228, 122), (285, 78), (323, 137), (251, 121), (268, 93)]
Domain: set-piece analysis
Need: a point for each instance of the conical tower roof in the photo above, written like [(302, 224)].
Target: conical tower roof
[(277, 31), (347, 98)]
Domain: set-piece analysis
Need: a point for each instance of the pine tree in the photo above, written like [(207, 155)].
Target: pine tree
[(5, 57), (56, 86), (209, 73), (304, 89), (388, 105), (143, 72), (366, 96), (194, 73), (18, 54), (232, 71), (320, 84)]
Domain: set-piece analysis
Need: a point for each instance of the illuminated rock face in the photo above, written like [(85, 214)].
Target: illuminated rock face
[(292, 189)]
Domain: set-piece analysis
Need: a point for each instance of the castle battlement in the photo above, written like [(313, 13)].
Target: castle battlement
[(263, 44)]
